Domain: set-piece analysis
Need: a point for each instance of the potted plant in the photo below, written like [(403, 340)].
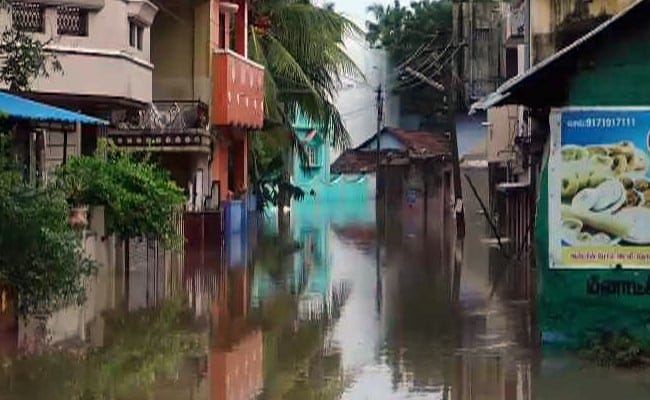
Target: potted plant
[(75, 187)]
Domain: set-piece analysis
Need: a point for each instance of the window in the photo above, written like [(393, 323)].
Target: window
[(72, 21), (312, 156), (222, 30), (136, 32), (482, 34), (512, 62), (28, 17)]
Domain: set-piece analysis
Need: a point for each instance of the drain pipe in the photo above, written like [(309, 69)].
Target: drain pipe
[(527, 36)]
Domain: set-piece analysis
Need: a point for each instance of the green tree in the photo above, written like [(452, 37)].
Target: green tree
[(42, 261), (416, 36), (301, 45), (25, 58), (41, 258)]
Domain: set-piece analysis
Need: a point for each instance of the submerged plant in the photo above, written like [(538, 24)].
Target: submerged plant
[(140, 349), (618, 349)]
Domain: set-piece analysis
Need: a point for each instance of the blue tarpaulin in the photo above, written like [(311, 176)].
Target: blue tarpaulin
[(15, 107)]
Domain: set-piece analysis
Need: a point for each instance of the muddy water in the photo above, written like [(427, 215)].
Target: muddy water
[(316, 312)]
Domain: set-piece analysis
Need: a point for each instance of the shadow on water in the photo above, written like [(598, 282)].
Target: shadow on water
[(351, 301)]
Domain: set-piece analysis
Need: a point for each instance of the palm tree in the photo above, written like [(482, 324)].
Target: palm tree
[(301, 46)]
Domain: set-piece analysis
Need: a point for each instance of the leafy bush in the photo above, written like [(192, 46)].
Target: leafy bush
[(41, 257), (618, 349), (139, 196)]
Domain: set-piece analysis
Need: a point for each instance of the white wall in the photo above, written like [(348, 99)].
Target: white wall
[(357, 99), (101, 63)]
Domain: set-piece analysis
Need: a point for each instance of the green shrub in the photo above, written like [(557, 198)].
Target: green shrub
[(618, 349), (139, 196), (41, 256)]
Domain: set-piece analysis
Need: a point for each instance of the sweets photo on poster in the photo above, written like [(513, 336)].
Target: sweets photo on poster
[(605, 192)]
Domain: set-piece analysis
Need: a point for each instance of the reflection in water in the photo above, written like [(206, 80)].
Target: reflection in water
[(141, 352), (334, 308)]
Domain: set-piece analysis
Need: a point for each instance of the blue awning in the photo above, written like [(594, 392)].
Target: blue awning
[(19, 108)]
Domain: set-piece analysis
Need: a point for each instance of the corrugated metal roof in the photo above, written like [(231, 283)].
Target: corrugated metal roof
[(356, 162), (19, 108), (502, 95), (415, 142), (421, 143)]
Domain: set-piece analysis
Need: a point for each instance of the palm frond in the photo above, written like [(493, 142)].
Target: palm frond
[(302, 47)]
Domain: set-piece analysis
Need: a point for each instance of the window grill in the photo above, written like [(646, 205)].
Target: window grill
[(136, 32), (28, 17), (312, 156), (72, 21), (482, 34)]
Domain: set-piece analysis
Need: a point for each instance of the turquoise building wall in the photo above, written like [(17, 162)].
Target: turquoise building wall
[(317, 182), (310, 274)]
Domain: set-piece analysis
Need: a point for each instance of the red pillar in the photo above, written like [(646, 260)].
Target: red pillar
[(241, 28)]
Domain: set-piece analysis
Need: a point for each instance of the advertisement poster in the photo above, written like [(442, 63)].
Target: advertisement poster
[(599, 189)]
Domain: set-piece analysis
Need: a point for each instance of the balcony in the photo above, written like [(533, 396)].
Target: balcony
[(238, 91), (166, 126), (516, 26)]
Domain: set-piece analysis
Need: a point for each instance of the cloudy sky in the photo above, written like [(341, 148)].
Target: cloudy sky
[(356, 9)]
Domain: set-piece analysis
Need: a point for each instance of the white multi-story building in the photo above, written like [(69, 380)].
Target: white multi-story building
[(102, 45), (103, 49)]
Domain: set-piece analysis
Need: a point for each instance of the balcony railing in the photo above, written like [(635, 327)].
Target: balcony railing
[(238, 91), (195, 142), (166, 116), (516, 23), (166, 126)]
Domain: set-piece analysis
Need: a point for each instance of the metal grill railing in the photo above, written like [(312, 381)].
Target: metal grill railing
[(28, 17), (173, 116), (72, 21)]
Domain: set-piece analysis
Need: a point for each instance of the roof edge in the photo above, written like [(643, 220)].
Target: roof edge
[(502, 93)]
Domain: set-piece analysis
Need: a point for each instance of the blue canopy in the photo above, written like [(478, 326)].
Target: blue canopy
[(15, 107)]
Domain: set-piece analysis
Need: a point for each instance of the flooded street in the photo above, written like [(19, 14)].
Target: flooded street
[(319, 313)]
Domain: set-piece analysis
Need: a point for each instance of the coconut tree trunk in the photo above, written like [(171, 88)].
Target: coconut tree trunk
[(284, 201)]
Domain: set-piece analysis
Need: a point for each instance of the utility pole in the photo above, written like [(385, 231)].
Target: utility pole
[(459, 207), (380, 119), (452, 105)]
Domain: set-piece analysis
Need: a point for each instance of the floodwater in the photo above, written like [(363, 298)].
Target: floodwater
[(343, 306)]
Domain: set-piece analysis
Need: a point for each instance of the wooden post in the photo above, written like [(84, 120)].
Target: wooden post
[(65, 147), (127, 270)]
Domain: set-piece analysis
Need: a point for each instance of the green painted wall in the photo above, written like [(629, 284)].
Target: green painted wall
[(565, 308), (615, 74)]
